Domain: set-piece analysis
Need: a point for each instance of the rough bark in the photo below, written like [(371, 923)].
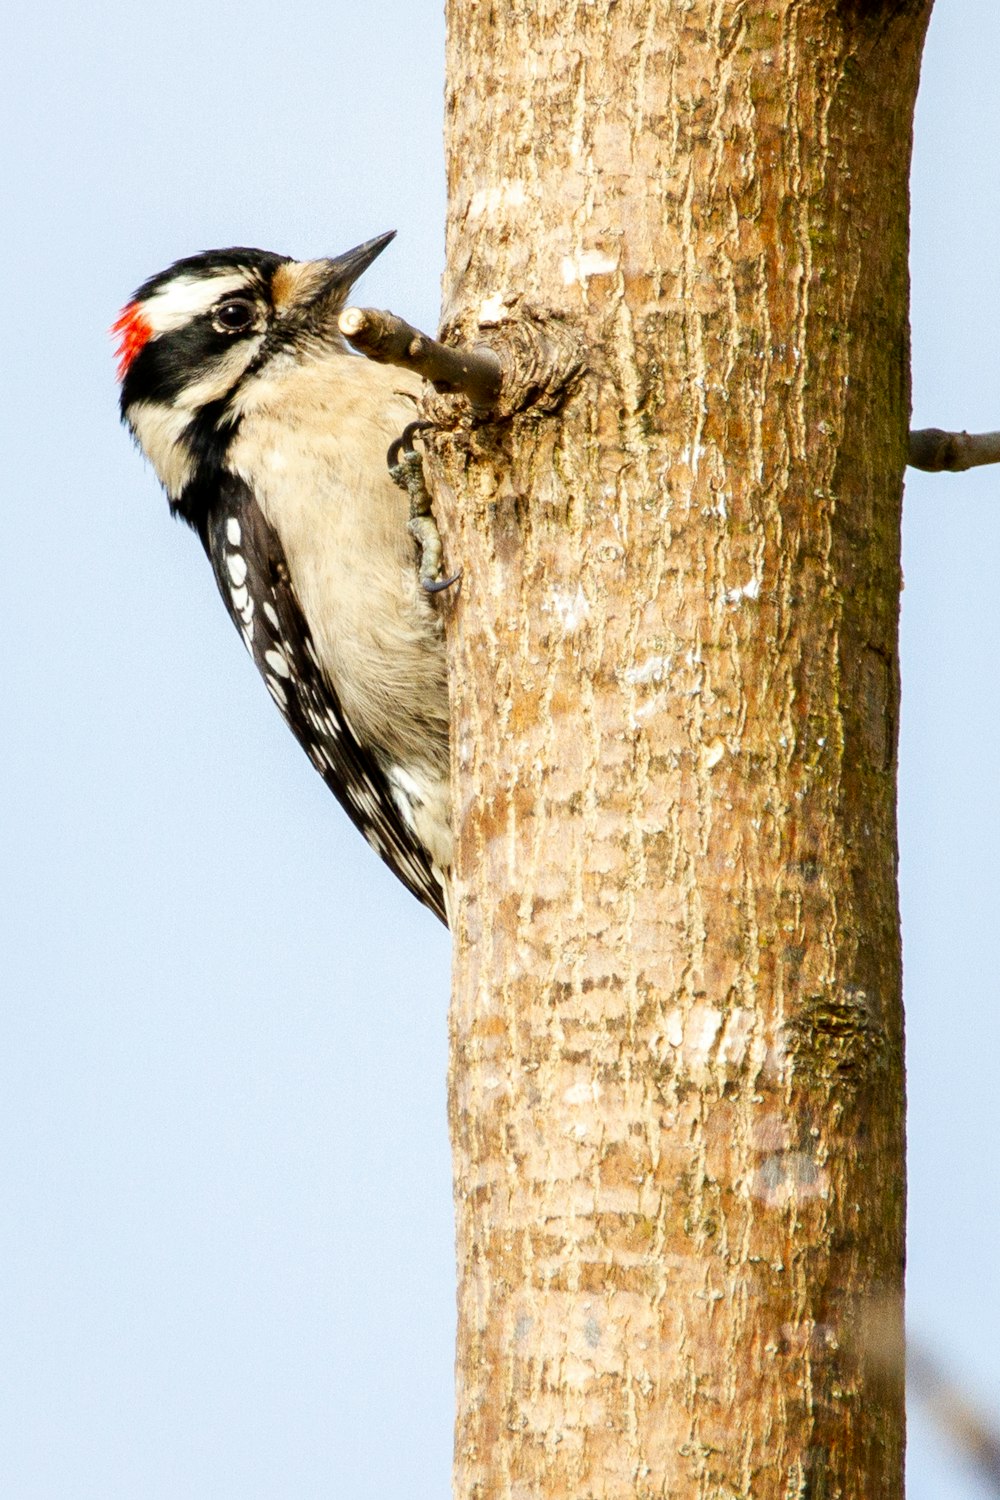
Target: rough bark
[(677, 1086)]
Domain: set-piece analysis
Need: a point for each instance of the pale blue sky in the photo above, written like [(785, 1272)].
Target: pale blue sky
[(225, 1215)]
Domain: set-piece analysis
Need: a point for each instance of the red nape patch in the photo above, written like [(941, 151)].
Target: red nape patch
[(133, 333)]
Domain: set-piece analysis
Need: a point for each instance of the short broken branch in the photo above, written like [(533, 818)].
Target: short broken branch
[(934, 450), (384, 337)]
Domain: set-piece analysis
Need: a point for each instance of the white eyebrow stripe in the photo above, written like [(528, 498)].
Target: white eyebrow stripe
[(187, 297)]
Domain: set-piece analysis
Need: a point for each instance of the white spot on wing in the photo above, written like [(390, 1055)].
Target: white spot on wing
[(277, 661), (233, 533), (365, 802), (236, 563)]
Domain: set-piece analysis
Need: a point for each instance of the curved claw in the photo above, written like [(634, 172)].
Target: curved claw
[(404, 443), (437, 586)]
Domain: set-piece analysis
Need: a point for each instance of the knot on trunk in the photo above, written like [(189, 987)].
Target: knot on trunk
[(540, 355), (836, 1038)]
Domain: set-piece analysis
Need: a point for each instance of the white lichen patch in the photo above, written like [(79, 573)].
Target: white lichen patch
[(749, 590), (492, 310), (692, 456), (701, 1030), (712, 753), (734, 1043), (570, 609), (649, 709), (653, 669), (694, 1032), (580, 267), (488, 200), (587, 1092)]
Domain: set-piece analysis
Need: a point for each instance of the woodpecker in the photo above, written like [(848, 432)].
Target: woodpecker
[(270, 437)]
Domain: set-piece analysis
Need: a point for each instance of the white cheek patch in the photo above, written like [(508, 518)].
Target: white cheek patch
[(162, 434), (186, 297), (221, 377)]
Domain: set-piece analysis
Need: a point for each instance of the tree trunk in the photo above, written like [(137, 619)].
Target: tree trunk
[(677, 1084)]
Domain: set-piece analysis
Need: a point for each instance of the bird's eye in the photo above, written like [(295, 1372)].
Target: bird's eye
[(234, 316)]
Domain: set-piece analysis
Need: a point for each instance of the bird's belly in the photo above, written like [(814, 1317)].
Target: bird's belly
[(379, 640)]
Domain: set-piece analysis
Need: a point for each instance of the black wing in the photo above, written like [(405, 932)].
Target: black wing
[(254, 581)]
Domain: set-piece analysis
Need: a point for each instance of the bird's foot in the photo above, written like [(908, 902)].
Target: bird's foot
[(407, 471)]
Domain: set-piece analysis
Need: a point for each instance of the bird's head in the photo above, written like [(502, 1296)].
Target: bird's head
[(191, 336)]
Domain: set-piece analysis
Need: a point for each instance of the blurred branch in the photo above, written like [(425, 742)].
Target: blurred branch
[(968, 1429), (934, 450)]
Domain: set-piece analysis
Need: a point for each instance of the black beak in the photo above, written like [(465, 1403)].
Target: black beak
[(345, 269)]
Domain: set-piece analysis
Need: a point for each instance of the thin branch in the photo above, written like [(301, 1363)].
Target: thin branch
[(968, 1429), (934, 450), (382, 336)]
